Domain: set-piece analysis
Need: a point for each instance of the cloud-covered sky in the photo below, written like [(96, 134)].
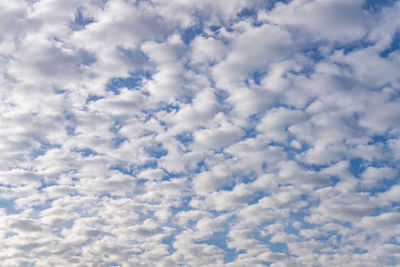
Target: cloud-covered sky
[(199, 133)]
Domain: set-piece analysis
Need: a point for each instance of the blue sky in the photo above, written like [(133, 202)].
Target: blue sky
[(199, 133)]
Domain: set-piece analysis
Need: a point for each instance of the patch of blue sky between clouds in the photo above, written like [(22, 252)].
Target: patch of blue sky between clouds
[(156, 151), (115, 84), (185, 137), (188, 34), (8, 206), (354, 46), (86, 58), (44, 147), (394, 45), (377, 5), (81, 21), (85, 152)]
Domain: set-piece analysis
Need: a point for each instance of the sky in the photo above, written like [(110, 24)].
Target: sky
[(199, 133)]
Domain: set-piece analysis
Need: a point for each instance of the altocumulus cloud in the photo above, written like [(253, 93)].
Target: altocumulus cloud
[(199, 133)]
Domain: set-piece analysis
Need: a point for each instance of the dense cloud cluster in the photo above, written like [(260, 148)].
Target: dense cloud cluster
[(199, 133)]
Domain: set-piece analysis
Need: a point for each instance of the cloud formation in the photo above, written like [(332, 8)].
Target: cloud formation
[(199, 133)]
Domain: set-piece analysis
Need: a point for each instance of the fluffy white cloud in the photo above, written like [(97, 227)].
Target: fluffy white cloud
[(334, 20), (199, 133)]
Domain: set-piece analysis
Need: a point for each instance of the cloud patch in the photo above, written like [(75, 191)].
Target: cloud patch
[(199, 133)]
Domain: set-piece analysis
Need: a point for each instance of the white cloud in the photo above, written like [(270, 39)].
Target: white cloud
[(372, 176), (334, 20), (203, 133)]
